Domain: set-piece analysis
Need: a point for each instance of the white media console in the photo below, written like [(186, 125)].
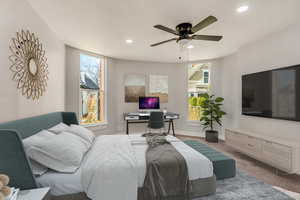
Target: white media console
[(279, 153)]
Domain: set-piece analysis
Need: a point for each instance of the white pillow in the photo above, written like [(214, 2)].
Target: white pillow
[(63, 152), (38, 169), (57, 129), (37, 138), (82, 132)]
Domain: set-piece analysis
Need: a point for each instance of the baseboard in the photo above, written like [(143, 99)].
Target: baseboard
[(195, 134), (189, 133), (195, 137), (190, 136)]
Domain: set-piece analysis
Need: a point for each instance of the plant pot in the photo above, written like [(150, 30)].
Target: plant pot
[(212, 136)]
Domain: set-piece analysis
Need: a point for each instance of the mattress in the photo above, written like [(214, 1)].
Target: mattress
[(63, 183)]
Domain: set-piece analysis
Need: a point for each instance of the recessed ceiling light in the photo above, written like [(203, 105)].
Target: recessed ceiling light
[(129, 41), (242, 9), (190, 47)]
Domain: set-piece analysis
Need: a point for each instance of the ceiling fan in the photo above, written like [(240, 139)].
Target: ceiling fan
[(185, 31)]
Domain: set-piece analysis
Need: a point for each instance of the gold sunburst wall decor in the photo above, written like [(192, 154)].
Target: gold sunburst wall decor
[(29, 64)]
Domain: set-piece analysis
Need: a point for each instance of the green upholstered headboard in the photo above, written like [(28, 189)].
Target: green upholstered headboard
[(13, 159)]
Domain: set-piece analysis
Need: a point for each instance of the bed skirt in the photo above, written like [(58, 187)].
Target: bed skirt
[(199, 187)]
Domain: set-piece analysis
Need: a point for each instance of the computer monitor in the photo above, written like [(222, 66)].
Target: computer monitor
[(149, 103)]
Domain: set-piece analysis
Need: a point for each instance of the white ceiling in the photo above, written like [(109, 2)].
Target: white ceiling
[(103, 26)]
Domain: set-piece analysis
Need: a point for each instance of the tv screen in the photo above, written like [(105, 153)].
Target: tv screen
[(273, 94), (149, 103)]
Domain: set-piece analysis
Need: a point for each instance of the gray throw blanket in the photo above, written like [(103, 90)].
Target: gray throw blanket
[(167, 173)]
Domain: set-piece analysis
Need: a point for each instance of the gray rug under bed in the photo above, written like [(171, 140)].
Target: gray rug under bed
[(245, 187)]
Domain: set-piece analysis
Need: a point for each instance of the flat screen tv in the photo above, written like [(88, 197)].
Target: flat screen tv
[(272, 94), (149, 103)]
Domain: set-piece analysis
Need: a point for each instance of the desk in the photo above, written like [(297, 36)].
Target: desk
[(136, 118)]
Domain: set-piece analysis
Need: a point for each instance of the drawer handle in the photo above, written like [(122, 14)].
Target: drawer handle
[(250, 145)]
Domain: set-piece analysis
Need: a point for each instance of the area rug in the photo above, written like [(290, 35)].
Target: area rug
[(294, 195), (245, 187)]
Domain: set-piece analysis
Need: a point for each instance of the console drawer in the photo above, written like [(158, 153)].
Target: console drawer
[(253, 145), (278, 155), (233, 136), (282, 155), (235, 139), (244, 143)]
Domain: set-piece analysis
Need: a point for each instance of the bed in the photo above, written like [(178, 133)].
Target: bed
[(74, 186)]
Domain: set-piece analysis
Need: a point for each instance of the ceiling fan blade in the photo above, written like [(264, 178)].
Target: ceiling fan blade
[(204, 23), (207, 37), (159, 43), (164, 28)]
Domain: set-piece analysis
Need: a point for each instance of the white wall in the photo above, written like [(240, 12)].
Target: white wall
[(17, 15), (177, 102), (277, 50), (175, 73), (116, 106)]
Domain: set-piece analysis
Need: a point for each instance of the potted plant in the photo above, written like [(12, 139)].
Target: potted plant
[(211, 115)]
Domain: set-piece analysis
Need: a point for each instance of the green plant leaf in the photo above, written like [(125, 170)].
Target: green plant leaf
[(219, 99), (219, 122), (206, 123), (193, 101), (206, 112), (223, 113), (205, 127), (204, 118), (205, 95)]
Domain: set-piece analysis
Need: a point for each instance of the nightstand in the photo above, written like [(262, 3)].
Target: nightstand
[(35, 194)]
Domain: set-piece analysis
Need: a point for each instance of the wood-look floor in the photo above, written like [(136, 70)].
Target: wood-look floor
[(255, 168)]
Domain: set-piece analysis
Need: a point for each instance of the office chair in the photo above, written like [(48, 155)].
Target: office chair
[(156, 121)]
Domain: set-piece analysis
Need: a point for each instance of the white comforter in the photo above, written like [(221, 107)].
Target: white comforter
[(116, 166), (109, 173)]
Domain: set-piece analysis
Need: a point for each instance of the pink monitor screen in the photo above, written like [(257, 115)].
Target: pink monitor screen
[(149, 103)]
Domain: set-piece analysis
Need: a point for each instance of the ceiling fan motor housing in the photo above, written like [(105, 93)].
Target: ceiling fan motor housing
[(184, 29)]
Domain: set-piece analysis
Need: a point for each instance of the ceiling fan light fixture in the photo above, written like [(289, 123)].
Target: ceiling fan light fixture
[(242, 9), (183, 42), (190, 47), (129, 41)]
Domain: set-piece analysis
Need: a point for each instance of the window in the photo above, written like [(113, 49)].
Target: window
[(205, 77), (198, 83), (92, 89)]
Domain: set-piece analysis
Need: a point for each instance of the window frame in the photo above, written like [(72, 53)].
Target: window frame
[(190, 121), (208, 78), (102, 90)]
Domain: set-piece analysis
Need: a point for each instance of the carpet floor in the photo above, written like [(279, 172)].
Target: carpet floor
[(245, 187)]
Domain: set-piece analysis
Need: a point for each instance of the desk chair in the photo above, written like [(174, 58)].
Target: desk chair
[(156, 121)]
